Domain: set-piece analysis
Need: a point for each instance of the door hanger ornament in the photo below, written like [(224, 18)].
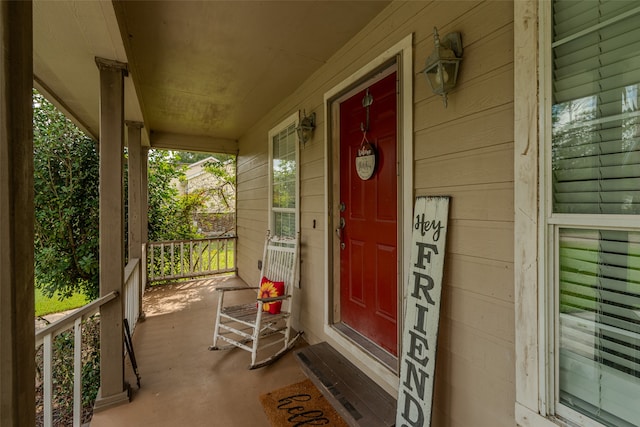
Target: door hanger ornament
[(366, 155)]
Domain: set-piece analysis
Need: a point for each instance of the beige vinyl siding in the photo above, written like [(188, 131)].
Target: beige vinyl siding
[(252, 215), (465, 151)]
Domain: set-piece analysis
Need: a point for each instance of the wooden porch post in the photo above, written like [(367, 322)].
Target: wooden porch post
[(17, 346), (135, 189), (145, 195), (136, 212), (113, 390)]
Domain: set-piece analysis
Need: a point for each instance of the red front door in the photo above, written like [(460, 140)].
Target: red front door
[(368, 253)]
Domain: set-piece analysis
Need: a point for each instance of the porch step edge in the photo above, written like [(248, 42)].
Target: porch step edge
[(357, 398)]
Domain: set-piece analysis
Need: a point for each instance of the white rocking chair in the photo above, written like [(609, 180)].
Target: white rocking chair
[(247, 326)]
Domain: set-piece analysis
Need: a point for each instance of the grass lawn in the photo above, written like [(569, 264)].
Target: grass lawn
[(46, 305)]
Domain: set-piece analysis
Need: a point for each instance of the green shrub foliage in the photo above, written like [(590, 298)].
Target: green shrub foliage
[(66, 204)]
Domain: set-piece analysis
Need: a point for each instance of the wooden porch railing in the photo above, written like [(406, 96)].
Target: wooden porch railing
[(133, 291), (131, 300), (46, 336), (164, 261), (180, 259)]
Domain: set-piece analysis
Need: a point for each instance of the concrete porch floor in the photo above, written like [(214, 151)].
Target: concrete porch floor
[(182, 382)]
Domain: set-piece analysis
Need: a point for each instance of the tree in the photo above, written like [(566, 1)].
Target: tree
[(170, 214), (66, 179), (223, 168), (66, 204)]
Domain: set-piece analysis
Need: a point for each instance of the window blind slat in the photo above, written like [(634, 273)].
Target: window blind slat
[(584, 286), (609, 88), (604, 41), (602, 172), (585, 19), (604, 186), (605, 209), (594, 197), (593, 69), (629, 289), (622, 317), (631, 158), (583, 342), (607, 143)]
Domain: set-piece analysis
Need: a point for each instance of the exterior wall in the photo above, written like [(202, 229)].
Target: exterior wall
[(465, 151)]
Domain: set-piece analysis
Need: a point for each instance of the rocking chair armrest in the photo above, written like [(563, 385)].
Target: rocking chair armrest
[(235, 288), (272, 299)]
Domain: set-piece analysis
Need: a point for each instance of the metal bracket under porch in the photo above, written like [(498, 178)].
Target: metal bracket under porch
[(358, 400)]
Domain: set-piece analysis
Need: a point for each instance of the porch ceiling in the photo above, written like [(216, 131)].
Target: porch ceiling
[(200, 72)]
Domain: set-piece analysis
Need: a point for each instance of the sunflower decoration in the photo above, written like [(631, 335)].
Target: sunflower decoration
[(270, 289)]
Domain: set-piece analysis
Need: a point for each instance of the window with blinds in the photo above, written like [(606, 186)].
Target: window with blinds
[(595, 167), (284, 178), (599, 324), (595, 114)]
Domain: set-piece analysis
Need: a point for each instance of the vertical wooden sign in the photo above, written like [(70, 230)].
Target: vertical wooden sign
[(422, 312)]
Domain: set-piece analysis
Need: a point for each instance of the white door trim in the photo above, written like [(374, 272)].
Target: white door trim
[(403, 53)]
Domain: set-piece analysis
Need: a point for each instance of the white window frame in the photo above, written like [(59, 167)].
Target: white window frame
[(292, 120), (552, 223), (536, 228)]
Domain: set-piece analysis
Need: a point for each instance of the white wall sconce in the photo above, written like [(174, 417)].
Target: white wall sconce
[(442, 65), (305, 127)]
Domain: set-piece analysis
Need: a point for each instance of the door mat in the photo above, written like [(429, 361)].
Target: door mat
[(300, 404)]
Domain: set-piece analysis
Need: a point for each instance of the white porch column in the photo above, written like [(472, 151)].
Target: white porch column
[(17, 347), (136, 212), (113, 389)]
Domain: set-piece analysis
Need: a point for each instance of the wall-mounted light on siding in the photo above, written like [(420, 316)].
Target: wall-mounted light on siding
[(442, 65), (305, 127)]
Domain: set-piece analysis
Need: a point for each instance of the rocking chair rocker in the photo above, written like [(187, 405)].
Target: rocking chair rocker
[(265, 322)]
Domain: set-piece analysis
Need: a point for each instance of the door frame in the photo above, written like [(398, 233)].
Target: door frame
[(399, 56)]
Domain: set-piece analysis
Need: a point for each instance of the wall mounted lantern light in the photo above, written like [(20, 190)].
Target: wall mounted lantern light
[(305, 127), (442, 65)]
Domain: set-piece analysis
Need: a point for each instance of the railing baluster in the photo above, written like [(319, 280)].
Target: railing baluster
[(132, 291), (181, 260), (173, 261), (47, 386), (235, 253), (151, 249), (197, 266), (77, 372), (190, 256), (162, 260), (222, 252), (143, 266), (209, 256), (225, 248), (218, 258)]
